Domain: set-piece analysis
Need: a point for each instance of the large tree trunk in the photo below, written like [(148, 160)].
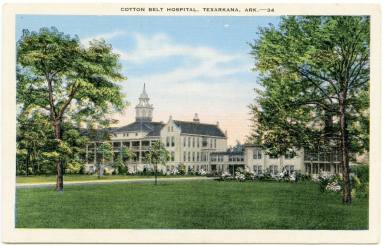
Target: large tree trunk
[(344, 150), (59, 165)]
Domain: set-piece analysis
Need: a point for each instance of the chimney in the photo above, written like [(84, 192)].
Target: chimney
[(170, 117), (196, 119), (217, 123)]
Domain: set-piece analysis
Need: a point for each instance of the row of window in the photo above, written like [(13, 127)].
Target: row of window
[(257, 154), (236, 158), (217, 158), (170, 142), (170, 129), (195, 156), (197, 142)]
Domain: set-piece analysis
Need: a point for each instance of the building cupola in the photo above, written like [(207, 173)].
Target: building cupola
[(144, 110)]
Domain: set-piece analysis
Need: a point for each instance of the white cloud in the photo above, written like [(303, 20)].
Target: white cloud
[(161, 46), (105, 36)]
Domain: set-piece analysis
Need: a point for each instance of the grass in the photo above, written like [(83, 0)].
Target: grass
[(189, 205), (52, 178)]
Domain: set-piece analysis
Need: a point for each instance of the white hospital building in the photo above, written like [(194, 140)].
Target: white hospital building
[(199, 145)]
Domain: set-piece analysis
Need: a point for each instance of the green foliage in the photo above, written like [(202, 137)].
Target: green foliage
[(106, 150), (360, 180), (69, 84), (314, 79), (73, 167), (119, 166), (362, 172), (304, 66), (158, 154), (182, 169)]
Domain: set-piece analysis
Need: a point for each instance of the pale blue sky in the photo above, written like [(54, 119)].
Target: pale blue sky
[(190, 64)]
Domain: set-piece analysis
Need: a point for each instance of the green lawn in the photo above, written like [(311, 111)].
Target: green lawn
[(52, 178), (189, 204)]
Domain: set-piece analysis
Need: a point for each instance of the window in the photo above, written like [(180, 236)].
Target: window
[(211, 143), (257, 169), (289, 168), (273, 169), (204, 142), (136, 134), (257, 154), (184, 155), (197, 142), (168, 128), (188, 141), (193, 156), (188, 156), (197, 156), (184, 141), (172, 129), (172, 156), (167, 142), (173, 142), (193, 142), (215, 143)]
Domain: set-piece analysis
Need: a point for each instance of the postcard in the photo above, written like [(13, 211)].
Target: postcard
[(191, 123)]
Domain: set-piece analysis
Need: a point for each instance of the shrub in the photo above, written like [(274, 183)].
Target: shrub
[(181, 169), (361, 171), (239, 176), (359, 188), (73, 167)]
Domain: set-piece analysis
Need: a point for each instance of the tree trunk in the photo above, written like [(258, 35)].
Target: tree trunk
[(344, 150), (155, 174), (59, 165), (27, 163)]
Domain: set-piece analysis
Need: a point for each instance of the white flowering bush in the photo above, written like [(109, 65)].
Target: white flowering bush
[(174, 171), (225, 176), (293, 177), (333, 186), (131, 171), (202, 172), (239, 176), (250, 175)]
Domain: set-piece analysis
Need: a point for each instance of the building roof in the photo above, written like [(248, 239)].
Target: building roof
[(152, 128), (199, 128)]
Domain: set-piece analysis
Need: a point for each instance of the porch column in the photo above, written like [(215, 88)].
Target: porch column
[(140, 152)]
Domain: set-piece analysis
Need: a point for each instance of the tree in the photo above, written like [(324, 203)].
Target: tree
[(157, 155), (314, 74), (33, 134), (67, 81), (106, 151), (125, 154)]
